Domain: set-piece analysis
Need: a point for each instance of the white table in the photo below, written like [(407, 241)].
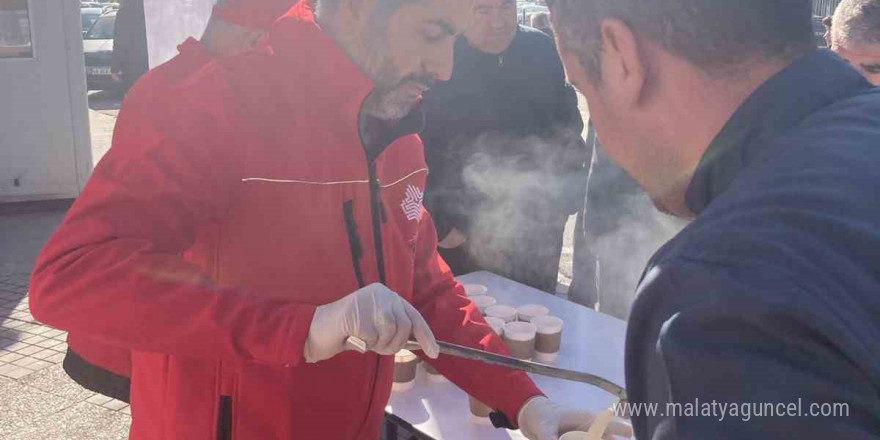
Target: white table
[(591, 342)]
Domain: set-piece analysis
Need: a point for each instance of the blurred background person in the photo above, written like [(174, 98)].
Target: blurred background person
[(855, 36), (130, 59), (503, 143), (541, 22)]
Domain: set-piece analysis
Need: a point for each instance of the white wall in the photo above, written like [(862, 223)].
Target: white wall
[(44, 138), (169, 23)]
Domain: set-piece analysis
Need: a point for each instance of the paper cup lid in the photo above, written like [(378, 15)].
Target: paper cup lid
[(475, 289), (497, 324), (531, 310), (547, 324), (404, 356), (519, 331), (483, 301), (500, 311)]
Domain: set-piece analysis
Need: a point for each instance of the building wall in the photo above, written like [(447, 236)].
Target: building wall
[(44, 137)]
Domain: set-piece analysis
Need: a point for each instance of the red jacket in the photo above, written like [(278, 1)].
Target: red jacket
[(139, 102), (256, 174)]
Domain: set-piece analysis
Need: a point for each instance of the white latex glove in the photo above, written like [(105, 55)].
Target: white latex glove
[(376, 315), (541, 419)]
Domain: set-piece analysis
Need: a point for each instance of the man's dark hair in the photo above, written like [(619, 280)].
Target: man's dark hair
[(715, 35)]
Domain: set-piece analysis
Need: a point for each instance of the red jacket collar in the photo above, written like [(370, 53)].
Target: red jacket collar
[(316, 65)]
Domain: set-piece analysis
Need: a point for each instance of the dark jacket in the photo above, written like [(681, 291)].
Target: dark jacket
[(130, 54), (773, 294), (504, 127)]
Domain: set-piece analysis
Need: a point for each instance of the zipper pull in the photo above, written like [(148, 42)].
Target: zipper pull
[(501, 60)]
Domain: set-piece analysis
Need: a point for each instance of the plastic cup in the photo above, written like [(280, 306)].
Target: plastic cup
[(475, 289), (548, 338), (574, 435), (405, 364), (520, 339), (505, 313), (527, 312), (497, 324), (483, 301)]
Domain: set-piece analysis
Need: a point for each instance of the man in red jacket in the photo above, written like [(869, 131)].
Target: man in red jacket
[(235, 240), (235, 26)]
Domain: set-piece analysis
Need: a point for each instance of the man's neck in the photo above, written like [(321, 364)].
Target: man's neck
[(717, 97)]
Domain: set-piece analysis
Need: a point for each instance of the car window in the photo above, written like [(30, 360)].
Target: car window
[(88, 19), (102, 29)]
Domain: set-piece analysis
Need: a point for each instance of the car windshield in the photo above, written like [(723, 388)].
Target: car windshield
[(88, 19), (102, 29)]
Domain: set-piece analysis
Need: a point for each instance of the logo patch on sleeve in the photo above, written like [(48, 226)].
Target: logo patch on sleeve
[(412, 203)]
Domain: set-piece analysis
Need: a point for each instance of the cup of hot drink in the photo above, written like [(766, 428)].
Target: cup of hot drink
[(548, 338), (483, 301), (502, 312), (479, 410), (527, 312), (520, 339), (405, 364), (475, 289), (497, 324)]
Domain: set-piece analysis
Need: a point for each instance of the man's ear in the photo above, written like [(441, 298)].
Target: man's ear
[(624, 67)]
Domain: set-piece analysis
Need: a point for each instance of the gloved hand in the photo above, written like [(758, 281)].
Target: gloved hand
[(541, 419), (376, 315)]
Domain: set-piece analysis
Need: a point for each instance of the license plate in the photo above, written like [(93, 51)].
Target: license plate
[(98, 70)]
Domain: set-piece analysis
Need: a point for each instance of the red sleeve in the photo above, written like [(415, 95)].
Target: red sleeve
[(454, 318), (113, 269)]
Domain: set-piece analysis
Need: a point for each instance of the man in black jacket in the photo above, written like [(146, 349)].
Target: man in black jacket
[(130, 57), (760, 319), (502, 141)]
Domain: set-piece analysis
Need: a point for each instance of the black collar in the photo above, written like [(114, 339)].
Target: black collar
[(810, 83), (377, 134)]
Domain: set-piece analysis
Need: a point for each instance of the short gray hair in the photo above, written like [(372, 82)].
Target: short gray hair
[(715, 35), (384, 8), (856, 22)]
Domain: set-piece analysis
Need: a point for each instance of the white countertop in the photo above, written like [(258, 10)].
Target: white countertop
[(591, 342)]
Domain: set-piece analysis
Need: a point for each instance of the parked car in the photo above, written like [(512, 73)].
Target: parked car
[(98, 48), (89, 16)]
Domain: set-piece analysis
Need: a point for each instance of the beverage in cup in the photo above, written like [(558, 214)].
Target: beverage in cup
[(405, 364), (527, 312), (548, 338), (505, 313), (483, 301), (520, 339)]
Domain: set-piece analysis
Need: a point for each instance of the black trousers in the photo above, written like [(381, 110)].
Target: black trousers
[(530, 258)]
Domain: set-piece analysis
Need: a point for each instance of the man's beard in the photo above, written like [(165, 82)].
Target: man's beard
[(390, 102)]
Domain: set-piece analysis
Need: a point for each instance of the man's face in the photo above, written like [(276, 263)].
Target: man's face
[(627, 133), (864, 57), (493, 26), (410, 50)]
